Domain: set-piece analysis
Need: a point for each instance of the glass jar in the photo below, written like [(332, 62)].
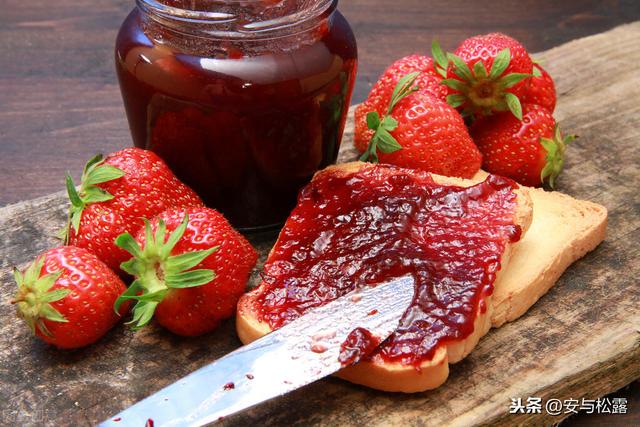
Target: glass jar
[(244, 100)]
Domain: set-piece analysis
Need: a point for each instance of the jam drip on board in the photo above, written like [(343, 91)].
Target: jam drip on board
[(362, 228)]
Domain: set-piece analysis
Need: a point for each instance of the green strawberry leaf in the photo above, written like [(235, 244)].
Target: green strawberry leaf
[(189, 279), (441, 61), (555, 155), (91, 164), (456, 100), (50, 313), (142, 314), (403, 88), (128, 243), (96, 195), (374, 157), (148, 237), (74, 197), (500, 63), (455, 84), (389, 123), (75, 210), (161, 232), (174, 237), (512, 79), (102, 173), (513, 103), (55, 295), (134, 267), (18, 276), (460, 68), (536, 72), (33, 271), (44, 283), (39, 323), (479, 70), (369, 154), (386, 142), (131, 291), (187, 260), (373, 120), (154, 296)]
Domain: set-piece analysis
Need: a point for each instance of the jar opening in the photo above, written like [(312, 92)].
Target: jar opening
[(243, 19)]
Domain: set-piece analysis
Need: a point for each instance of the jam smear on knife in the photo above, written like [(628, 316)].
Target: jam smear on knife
[(382, 222), (359, 343)]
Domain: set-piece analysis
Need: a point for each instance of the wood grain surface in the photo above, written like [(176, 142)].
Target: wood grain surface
[(580, 340), (60, 103)]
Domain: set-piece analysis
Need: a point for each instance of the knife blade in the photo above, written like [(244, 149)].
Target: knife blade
[(293, 356)]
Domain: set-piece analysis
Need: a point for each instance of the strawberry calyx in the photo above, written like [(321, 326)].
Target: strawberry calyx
[(94, 172), (157, 272), (482, 90), (382, 126), (554, 158), (35, 296)]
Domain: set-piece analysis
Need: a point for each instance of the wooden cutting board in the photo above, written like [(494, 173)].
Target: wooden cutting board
[(580, 340)]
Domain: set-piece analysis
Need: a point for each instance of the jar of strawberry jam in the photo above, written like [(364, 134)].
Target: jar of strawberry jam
[(244, 100)]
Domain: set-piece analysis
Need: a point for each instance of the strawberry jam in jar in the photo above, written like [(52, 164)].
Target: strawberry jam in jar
[(244, 100)]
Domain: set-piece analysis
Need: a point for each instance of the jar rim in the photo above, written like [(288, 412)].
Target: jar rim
[(224, 24)]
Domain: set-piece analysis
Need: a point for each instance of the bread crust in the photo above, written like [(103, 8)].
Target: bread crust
[(394, 376)]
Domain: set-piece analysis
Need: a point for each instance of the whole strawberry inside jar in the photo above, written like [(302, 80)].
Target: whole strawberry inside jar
[(244, 100)]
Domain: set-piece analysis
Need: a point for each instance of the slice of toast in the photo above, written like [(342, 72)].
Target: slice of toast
[(563, 230), (394, 376)]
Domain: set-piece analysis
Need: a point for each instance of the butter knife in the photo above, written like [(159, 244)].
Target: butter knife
[(301, 352)]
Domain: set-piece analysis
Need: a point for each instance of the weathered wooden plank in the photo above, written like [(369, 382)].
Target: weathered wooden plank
[(581, 340)]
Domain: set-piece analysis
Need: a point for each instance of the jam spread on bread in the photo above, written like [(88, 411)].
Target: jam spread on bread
[(381, 222)]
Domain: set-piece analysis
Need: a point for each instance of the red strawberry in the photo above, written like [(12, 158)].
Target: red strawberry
[(487, 74), (428, 82), (66, 296), (541, 91), (190, 268), (115, 194), (420, 132), (530, 151)]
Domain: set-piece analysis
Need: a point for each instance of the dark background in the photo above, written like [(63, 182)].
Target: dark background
[(60, 104)]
